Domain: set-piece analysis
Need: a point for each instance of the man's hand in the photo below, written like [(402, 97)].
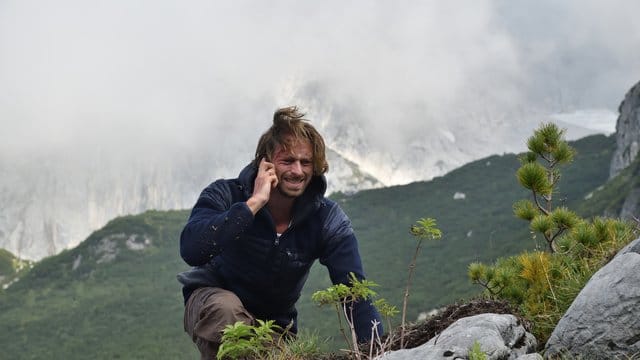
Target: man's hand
[(265, 181)]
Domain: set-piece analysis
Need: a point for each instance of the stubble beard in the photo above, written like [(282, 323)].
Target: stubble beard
[(282, 190)]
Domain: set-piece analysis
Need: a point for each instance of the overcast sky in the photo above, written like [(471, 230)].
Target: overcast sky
[(169, 71)]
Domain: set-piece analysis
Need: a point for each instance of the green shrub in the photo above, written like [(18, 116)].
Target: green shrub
[(543, 284)]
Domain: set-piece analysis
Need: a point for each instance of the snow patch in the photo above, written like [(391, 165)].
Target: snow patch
[(76, 262)]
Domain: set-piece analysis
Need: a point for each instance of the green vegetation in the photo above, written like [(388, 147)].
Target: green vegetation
[(79, 304), (541, 284), (476, 353), (243, 340), (265, 341), (540, 173), (88, 302), (343, 298), (6, 263), (479, 228), (424, 229), (11, 267), (608, 200)]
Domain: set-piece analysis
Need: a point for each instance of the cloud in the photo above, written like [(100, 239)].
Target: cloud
[(152, 73)]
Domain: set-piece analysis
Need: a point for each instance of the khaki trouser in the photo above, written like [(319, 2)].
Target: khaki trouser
[(206, 314)]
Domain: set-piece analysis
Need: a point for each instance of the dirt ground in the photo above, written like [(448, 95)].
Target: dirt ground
[(421, 332)]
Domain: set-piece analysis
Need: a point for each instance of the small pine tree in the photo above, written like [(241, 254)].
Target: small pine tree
[(540, 174), (543, 284)]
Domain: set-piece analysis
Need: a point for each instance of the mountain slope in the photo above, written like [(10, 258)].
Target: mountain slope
[(115, 295), (479, 227)]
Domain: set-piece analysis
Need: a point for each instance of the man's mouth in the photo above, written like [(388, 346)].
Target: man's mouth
[(294, 181)]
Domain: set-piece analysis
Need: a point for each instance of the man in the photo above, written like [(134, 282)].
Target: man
[(252, 240)]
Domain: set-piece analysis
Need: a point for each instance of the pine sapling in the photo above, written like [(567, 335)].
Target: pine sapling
[(344, 298), (424, 228), (539, 173)]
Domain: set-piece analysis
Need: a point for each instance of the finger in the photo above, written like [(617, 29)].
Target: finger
[(265, 165)]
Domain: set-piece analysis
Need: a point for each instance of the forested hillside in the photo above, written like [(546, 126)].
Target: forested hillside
[(115, 295), (479, 227)]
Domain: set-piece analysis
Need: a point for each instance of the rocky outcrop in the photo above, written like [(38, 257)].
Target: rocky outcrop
[(631, 205), (501, 336), (627, 132), (603, 322)]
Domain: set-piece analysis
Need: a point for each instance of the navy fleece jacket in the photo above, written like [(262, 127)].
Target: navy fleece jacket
[(230, 248)]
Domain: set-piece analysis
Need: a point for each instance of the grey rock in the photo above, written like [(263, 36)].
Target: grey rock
[(603, 322), (631, 205), (534, 356), (107, 249), (501, 336)]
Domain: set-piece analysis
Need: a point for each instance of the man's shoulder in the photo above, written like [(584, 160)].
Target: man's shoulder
[(325, 201), (331, 212), (328, 206), (222, 189), (222, 184)]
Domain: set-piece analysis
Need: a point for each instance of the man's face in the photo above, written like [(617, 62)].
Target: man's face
[(294, 166)]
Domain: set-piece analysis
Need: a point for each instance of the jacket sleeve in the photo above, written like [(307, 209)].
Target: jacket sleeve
[(214, 221), (341, 257)]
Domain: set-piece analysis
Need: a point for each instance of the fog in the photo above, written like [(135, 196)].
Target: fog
[(155, 74)]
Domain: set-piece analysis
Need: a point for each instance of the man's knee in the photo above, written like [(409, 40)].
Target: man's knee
[(210, 310), (224, 307)]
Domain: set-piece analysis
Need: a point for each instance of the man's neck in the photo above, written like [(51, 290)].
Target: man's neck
[(280, 208)]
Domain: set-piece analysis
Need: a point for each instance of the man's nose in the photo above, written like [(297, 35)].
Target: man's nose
[(296, 167)]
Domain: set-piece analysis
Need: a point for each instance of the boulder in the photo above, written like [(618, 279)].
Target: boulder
[(501, 336), (603, 322)]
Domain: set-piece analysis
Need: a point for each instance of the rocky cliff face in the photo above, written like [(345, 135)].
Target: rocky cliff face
[(627, 131), (52, 202), (627, 146)]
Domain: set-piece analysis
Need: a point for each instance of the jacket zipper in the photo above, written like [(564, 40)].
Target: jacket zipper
[(276, 242)]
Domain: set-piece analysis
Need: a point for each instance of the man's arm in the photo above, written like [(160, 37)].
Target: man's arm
[(214, 221), (341, 257)]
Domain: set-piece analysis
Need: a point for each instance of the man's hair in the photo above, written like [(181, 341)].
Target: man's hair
[(289, 122)]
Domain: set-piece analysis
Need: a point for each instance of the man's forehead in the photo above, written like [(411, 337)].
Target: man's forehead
[(292, 145)]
